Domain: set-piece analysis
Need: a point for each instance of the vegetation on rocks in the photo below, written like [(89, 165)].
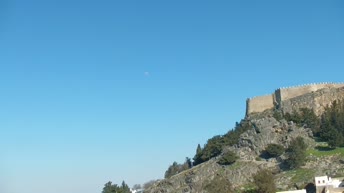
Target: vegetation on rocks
[(297, 153), (264, 182), (332, 124), (305, 117), (176, 168), (228, 158), (274, 150), (329, 126), (212, 149), (220, 184), (114, 188), (215, 145)]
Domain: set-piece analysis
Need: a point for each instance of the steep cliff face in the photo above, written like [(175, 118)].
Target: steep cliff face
[(265, 129), (268, 130)]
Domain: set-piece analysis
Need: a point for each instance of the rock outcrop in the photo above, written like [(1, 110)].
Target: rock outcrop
[(268, 130)]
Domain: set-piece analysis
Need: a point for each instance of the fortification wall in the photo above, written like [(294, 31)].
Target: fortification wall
[(259, 104), (317, 101), (291, 92), (262, 103)]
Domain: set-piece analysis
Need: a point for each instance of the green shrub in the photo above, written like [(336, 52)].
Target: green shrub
[(274, 150), (297, 153), (176, 168), (214, 145), (228, 158), (332, 124), (305, 116), (264, 181), (219, 184), (278, 115)]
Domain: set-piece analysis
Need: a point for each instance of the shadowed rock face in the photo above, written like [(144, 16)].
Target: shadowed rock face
[(265, 130)]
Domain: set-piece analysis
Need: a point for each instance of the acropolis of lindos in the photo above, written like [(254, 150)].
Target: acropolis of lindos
[(261, 103)]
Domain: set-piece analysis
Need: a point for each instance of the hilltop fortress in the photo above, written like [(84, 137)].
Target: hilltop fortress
[(281, 95)]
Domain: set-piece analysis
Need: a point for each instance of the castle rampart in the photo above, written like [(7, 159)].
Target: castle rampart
[(261, 102), (274, 100), (291, 92)]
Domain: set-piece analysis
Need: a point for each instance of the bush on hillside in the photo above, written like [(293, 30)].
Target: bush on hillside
[(332, 124), (329, 127), (220, 184), (176, 168), (274, 150), (228, 158), (297, 153), (113, 188), (307, 117), (264, 182), (214, 146), (278, 115)]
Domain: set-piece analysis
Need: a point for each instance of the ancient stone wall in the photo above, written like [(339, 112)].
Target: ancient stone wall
[(262, 103), (317, 101), (291, 92), (259, 104)]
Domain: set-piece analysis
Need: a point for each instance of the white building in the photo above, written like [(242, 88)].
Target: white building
[(324, 184), (323, 181), (328, 184), (136, 191)]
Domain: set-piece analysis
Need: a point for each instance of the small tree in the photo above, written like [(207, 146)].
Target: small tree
[(213, 148), (176, 168), (197, 158), (311, 120), (172, 170), (219, 184), (274, 150), (297, 153), (125, 188), (264, 182), (114, 188), (110, 188), (228, 158), (188, 163), (278, 115)]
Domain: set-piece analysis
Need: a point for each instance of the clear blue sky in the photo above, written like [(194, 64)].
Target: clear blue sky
[(92, 91)]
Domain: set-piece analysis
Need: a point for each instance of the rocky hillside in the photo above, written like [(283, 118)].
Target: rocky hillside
[(264, 129)]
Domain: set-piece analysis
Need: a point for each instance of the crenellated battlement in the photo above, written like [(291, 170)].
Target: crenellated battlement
[(259, 96), (312, 84), (261, 103)]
